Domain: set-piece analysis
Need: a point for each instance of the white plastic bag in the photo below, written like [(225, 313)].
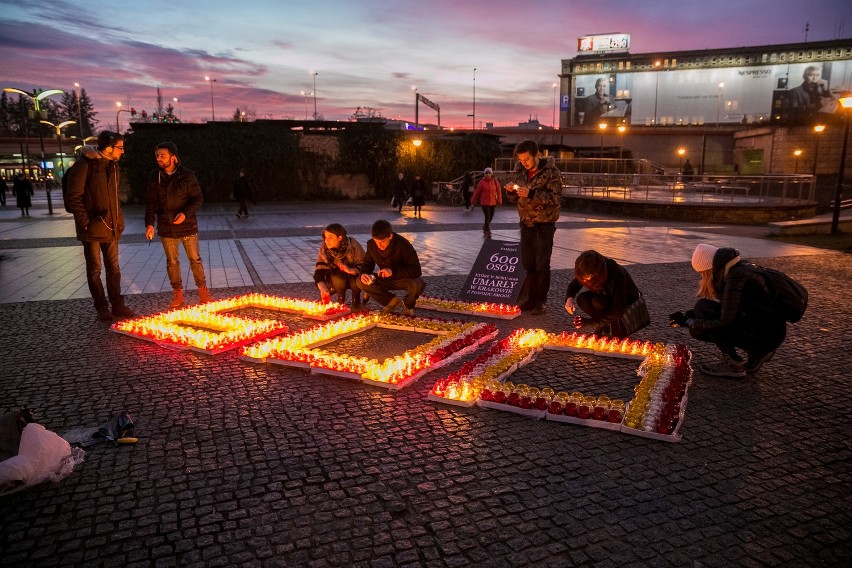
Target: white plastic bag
[(42, 455)]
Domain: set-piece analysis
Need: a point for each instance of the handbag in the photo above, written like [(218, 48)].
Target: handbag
[(636, 316)]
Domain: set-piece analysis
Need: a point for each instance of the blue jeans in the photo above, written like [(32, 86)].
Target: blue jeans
[(536, 249), (92, 253), (190, 245)]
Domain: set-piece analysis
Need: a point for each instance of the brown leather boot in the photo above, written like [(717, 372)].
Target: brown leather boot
[(204, 295), (177, 298)]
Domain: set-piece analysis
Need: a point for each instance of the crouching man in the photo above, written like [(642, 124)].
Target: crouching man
[(399, 269)]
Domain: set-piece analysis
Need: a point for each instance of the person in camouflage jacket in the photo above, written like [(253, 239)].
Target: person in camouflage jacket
[(537, 190)]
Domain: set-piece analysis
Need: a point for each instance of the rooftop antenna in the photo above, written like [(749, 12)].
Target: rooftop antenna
[(807, 27)]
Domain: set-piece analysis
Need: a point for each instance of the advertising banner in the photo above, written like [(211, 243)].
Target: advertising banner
[(727, 95), (497, 274)]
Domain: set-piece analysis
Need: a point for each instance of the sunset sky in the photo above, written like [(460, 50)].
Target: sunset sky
[(367, 53)]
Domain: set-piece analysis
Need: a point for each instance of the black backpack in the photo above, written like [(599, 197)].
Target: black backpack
[(789, 298), (65, 181)]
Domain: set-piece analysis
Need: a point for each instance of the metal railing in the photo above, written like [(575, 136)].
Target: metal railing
[(675, 188)]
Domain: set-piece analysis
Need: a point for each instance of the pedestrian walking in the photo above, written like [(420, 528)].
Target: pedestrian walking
[(400, 192), (418, 195), (489, 195), (22, 189), (243, 192), (467, 188)]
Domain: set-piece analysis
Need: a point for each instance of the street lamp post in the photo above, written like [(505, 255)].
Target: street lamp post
[(180, 112), (314, 73), (719, 105), (819, 128), (58, 128), (416, 143), (680, 153), (797, 153), (305, 96), (79, 108), (37, 97), (473, 115), (212, 106), (602, 127), (846, 103), (621, 130)]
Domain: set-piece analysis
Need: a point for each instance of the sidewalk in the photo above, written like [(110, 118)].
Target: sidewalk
[(278, 244), (260, 465)]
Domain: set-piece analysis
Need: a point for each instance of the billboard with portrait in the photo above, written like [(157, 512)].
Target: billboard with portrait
[(725, 95)]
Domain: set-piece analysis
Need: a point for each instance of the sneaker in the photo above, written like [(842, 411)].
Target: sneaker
[(408, 312), (757, 360), (104, 314), (204, 295), (177, 298), (122, 311), (538, 310), (392, 306), (724, 367)]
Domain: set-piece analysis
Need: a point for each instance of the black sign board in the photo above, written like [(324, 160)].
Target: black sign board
[(497, 274)]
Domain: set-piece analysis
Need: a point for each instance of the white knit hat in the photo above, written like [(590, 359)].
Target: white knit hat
[(488, 171), (702, 258)]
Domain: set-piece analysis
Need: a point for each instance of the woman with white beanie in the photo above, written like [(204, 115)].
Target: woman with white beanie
[(734, 310)]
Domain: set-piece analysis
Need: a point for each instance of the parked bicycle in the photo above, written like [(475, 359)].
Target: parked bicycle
[(449, 195)]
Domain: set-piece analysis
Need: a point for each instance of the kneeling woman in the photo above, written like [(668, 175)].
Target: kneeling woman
[(337, 265), (611, 300), (734, 310)]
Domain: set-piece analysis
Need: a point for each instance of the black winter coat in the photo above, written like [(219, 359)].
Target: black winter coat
[(93, 200), (169, 195), (399, 256), (743, 292)]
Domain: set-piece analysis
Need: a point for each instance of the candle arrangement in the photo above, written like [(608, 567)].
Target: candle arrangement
[(485, 309), (504, 357), (306, 308), (199, 329), (463, 387), (656, 411), (302, 349), (205, 329), (659, 401)]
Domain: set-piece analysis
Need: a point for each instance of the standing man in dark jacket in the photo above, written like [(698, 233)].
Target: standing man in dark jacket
[(399, 269), (174, 196), (93, 200), (537, 189)]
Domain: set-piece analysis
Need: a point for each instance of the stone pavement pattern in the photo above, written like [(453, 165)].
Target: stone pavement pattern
[(241, 464)]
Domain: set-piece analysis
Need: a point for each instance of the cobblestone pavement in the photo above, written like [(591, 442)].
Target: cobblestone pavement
[(242, 464)]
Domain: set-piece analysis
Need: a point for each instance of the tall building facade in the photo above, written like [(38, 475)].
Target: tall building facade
[(787, 84)]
